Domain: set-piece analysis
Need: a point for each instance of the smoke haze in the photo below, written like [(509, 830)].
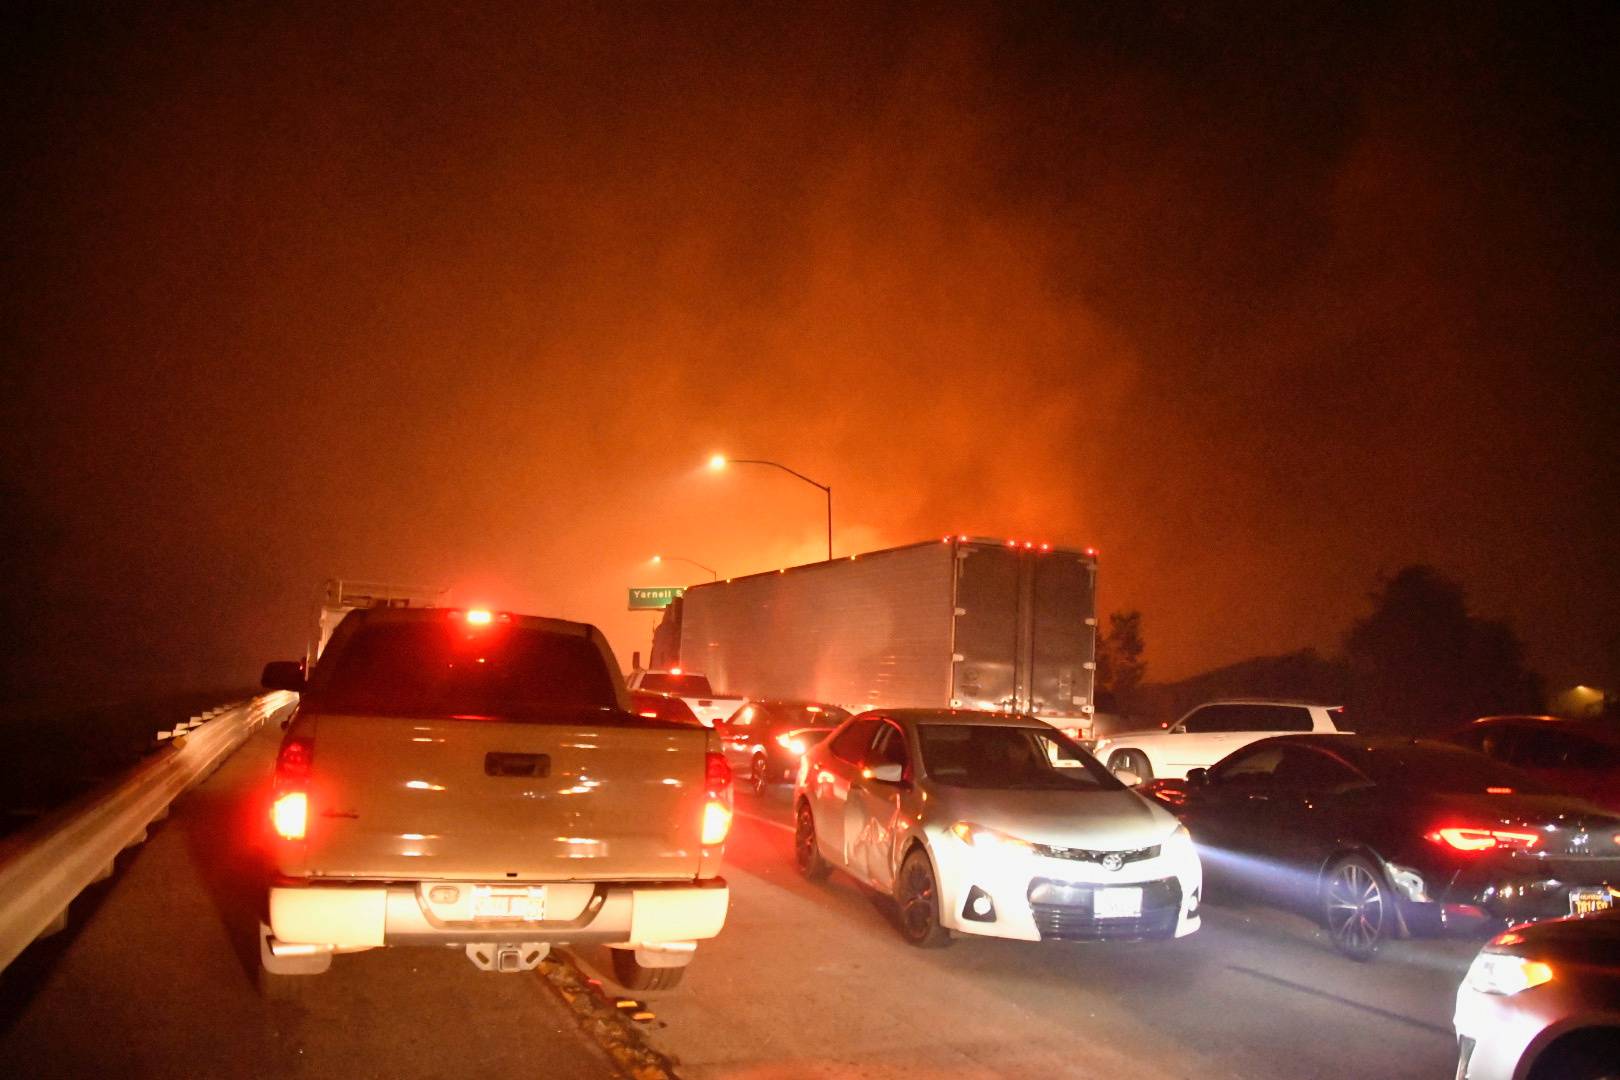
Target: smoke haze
[(1260, 304)]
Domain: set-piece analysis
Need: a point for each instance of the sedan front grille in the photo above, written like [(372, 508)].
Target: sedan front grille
[(1064, 911), (1090, 856)]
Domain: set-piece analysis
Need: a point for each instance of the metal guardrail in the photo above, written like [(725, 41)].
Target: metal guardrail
[(45, 866)]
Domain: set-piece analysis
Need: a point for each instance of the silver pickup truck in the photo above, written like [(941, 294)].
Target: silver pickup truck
[(474, 778)]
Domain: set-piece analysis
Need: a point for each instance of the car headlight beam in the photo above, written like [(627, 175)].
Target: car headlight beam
[(984, 838), (1497, 973)]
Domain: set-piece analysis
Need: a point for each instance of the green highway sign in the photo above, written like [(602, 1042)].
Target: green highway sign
[(653, 599)]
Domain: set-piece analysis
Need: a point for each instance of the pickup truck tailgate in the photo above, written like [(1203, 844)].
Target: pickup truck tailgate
[(478, 799)]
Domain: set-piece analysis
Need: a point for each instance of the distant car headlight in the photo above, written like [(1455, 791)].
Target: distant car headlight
[(1495, 973), (984, 838)]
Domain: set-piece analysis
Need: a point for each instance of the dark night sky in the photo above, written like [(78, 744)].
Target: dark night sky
[(1261, 302)]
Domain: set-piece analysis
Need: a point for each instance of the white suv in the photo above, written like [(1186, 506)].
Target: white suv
[(1210, 732)]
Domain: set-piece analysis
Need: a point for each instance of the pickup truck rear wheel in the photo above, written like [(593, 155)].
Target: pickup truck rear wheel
[(631, 975), (806, 855)]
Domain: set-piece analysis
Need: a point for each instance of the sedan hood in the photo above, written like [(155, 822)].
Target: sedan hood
[(1103, 820)]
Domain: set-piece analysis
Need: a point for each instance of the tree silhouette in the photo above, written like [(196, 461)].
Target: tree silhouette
[(1120, 667), (1421, 663)]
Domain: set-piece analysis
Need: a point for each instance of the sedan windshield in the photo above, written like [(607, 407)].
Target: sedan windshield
[(1008, 758)]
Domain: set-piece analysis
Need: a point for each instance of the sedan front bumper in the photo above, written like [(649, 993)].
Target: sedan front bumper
[(1031, 897)]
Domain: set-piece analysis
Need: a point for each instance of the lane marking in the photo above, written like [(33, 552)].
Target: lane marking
[(1375, 1010), (764, 821)]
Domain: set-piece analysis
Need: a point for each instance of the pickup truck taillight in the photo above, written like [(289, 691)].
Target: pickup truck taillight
[(717, 801), (289, 808)]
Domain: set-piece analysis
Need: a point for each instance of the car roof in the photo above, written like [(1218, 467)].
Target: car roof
[(1603, 731), (440, 614), (959, 716), (1267, 701), (1346, 740)]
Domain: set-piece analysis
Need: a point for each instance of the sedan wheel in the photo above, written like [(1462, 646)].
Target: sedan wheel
[(756, 776), (1357, 906), (806, 855), (918, 897)]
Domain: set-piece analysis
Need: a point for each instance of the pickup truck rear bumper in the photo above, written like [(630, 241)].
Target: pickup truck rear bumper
[(347, 916)]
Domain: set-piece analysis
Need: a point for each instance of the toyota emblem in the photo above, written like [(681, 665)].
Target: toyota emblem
[(1113, 861)]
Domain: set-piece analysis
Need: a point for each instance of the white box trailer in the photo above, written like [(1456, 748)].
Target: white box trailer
[(966, 623)]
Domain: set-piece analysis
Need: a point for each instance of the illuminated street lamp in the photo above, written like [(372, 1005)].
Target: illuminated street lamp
[(720, 461), (713, 575)]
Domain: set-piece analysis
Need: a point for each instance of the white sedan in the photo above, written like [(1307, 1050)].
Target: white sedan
[(991, 824)]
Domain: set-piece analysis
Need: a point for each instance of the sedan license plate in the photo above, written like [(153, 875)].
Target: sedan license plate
[(526, 902), (1587, 901), (1117, 903)]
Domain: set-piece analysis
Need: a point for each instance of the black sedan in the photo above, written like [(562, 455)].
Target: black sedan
[(764, 740), (1388, 836)]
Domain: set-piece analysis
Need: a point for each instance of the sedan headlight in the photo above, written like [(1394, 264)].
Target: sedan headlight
[(1180, 843), (984, 838), (1496, 973)]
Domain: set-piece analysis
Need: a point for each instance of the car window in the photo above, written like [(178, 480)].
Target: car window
[(995, 757), (1207, 719), (1552, 749), (667, 682), (1306, 769), (453, 669), (1253, 766), (850, 742), (1276, 718), (888, 747)]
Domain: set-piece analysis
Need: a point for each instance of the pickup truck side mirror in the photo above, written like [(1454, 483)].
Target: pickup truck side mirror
[(1197, 777), (283, 675), (887, 774)]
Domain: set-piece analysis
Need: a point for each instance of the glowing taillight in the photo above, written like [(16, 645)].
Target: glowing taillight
[(792, 745), (290, 815), (1464, 838), (717, 802), (674, 671), (289, 812), (479, 617), (294, 760), (716, 823)]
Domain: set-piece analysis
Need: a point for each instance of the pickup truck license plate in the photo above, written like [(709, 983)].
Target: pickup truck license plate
[(509, 902), (1586, 901), (1117, 903)]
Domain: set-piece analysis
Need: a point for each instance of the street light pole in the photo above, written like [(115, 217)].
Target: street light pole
[(713, 574), (719, 461)]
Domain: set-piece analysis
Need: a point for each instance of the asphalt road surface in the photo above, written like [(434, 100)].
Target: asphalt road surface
[(812, 980), (157, 979)]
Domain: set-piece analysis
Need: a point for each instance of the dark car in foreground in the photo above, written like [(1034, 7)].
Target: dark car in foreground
[(1542, 1002), (764, 740), (1387, 836), (1577, 757)]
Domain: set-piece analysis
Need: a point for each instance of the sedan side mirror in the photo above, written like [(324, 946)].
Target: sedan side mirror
[(1197, 777), (283, 675), (1126, 777), (887, 774)]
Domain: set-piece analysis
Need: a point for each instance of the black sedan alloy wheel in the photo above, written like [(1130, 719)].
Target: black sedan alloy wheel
[(1357, 906)]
